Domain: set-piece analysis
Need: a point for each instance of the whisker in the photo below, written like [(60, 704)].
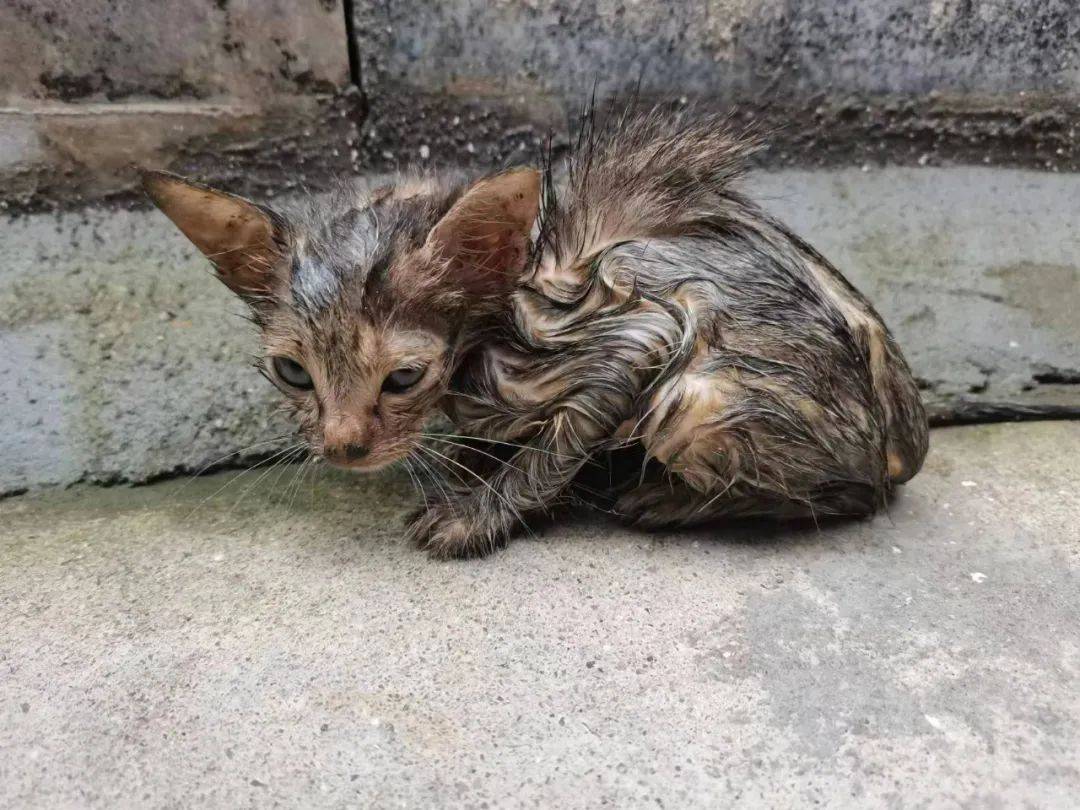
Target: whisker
[(298, 479), (236, 478), (198, 473), (490, 488), (434, 476), (435, 458), (478, 450), (412, 476), (296, 450), (494, 441), (281, 473)]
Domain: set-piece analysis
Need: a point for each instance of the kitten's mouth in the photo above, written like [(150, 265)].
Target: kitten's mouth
[(367, 464)]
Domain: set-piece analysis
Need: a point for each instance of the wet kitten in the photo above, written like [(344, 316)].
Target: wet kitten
[(641, 300)]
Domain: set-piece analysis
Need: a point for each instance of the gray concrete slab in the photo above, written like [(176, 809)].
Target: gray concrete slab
[(976, 271), (129, 362), (168, 646), (238, 89)]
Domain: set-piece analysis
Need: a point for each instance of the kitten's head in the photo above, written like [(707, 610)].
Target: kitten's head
[(363, 300)]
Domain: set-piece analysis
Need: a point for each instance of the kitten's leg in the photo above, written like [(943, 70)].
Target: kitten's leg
[(532, 480), (619, 354), (449, 468)]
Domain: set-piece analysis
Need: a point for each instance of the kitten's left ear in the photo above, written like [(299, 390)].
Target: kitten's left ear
[(238, 237), (484, 237)]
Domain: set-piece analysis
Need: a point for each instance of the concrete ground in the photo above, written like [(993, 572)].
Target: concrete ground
[(217, 643)]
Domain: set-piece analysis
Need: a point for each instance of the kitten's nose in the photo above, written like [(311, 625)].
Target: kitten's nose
[(346, 453), (346, 437), (354, 452)]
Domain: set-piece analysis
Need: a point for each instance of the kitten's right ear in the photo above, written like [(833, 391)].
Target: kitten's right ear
[(242, 240), (484, 237)]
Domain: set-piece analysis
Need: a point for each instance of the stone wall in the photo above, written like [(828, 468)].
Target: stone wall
[(232, 89), (244, 91), (836, 81)]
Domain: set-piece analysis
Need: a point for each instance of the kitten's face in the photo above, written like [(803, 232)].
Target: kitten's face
[(361, 391), (362, 300)]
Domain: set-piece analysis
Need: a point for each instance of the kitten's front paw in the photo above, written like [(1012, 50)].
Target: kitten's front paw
[(455, 531)]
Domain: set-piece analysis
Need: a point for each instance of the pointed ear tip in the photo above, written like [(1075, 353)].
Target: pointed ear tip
[(526, 179), (154, 181), (531, 172)]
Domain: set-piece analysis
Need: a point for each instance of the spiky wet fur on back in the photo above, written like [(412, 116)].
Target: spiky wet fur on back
[(663, 307)]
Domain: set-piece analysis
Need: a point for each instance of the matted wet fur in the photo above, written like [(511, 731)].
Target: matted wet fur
[(640, 300)]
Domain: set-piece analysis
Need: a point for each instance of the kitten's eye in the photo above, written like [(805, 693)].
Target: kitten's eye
[(292, 373), (402, 379)]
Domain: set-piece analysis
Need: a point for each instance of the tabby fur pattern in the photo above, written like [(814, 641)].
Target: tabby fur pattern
[(635, 298)]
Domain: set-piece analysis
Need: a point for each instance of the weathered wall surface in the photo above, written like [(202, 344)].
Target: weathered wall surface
[(727, 48), (121, 356), (194, 49), (229, 88), (242, 91), (844, 80)]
